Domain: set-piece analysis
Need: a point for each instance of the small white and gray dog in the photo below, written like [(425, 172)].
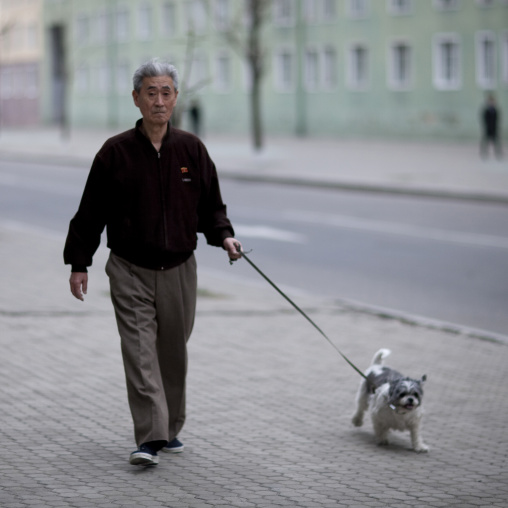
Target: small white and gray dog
[(395, 402)]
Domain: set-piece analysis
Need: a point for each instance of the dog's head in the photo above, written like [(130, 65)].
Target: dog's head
[(406, 393)]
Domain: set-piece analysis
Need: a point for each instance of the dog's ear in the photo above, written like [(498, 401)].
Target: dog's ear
[(424, 378)]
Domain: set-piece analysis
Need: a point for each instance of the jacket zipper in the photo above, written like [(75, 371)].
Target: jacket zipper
[(163, 201)]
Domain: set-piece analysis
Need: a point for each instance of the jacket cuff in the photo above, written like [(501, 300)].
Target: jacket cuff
[(79, 268)]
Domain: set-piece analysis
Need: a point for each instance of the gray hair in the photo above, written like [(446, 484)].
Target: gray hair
[(151, 69)]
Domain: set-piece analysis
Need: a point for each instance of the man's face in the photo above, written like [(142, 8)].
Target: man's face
[(156, 100)]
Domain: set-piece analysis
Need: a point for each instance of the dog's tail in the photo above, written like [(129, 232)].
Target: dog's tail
[(380, 356)]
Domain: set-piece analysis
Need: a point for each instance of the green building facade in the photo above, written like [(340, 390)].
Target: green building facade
[(418, 69)]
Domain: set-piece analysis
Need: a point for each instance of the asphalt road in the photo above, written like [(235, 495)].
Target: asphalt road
[(446, 260)]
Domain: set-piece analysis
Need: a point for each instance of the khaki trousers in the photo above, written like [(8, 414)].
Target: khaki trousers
[(155, 312)]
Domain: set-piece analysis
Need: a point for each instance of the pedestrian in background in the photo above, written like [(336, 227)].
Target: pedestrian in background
[(153, 188), (195, 116), (491, 118)]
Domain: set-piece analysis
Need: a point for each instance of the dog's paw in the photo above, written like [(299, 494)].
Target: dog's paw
[(357, 420), (421, 448)]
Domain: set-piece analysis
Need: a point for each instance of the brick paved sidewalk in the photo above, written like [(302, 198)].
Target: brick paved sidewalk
[(269, 402)]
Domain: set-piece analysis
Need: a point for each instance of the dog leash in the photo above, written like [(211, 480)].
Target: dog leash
[(244, 255)]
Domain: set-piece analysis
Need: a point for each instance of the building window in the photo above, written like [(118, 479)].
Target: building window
[(196, 17), (400, 66), (103, 77), (122, 24), (284, 70), (485, 3), (283, 12), (311, 69), (358, 74), (310, 11), (222, 14), (504, 58), (329, 68), (6, 83), (82, 30), (31, 82), (32, 36), (223, 75), (198, 75), (447, 64), (101, 27), (329, 10), (82, 78), (168, 19), (357, 8), (400, 7), (486, 59), (144, 22), (446, 5), (123, 78)]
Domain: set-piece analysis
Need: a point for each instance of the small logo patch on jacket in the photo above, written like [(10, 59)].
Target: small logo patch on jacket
[(184, 170)]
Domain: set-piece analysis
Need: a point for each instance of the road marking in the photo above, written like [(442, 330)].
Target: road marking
[(393, 228), (266, 232)]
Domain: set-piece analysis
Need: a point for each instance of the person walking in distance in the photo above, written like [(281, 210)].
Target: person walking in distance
[(490, 118), (153, 188)]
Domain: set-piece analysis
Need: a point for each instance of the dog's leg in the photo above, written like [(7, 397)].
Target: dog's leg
[(381, 431), (418, 444), (362, 404)]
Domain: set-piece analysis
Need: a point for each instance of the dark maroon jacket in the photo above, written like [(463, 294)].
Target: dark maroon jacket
[(152, 203)]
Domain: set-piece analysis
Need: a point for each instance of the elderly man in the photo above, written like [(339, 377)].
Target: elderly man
[(154, 188)]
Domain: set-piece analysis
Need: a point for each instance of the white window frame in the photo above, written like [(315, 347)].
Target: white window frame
[(222, 14), (31, 82), (103, 79), (312, 69), (82, 29), (358, 9), (485, 4), (32, 36), (310, 11), (82, 79), (196, 16), (145, 21), (223, 75), (198, 71), (101, 26), (284, 12), (168, 18), (329, 11), (441, 81), (446, 5), (122, 24), (358, 79), (285, 70), (486, 64), (330, 68), (122, 78), (394, 77), (400, 7), (504, 58), (6, 83)]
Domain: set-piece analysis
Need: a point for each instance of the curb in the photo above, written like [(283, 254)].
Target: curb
[(378, 188), (421, 321)]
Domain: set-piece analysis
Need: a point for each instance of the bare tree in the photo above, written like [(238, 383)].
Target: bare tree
[(248, 43)]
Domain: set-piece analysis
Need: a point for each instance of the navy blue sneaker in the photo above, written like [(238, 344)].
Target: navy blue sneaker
[(144, 456), (174, 446)]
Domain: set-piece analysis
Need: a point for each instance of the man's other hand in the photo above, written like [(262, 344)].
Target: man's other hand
[(79, 284)]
